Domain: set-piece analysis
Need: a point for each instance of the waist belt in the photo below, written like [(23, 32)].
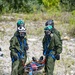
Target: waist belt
[(20, 55), (51, 54)]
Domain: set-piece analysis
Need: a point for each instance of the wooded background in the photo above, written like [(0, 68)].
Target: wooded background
[(30, 6)]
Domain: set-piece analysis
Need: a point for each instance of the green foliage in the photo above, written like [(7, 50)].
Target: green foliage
[(73, 13), (72, 18), (51, 3), (71, 28), (4, 6), (68, 5), (1, 6), (27, 6), (40, 1), (34, 6)]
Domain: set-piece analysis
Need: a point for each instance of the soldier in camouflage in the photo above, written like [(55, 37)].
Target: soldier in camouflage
[(52, 48), (54, 30), (18, 48)]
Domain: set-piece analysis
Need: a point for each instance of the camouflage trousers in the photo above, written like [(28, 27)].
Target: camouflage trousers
[(49, 65), (18, 67)]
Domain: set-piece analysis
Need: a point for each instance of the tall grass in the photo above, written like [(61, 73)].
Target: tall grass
[(59, 17)]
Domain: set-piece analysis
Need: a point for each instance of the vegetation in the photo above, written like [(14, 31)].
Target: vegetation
[(60, 10), (68, 5), (30, 6)]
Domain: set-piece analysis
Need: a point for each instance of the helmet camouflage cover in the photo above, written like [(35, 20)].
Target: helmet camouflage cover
[(20, 22)]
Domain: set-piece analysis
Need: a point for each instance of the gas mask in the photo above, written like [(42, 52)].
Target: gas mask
[(22, 31), (47, 32)]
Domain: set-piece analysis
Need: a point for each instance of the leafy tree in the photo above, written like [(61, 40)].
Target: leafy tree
[(68, 5), (24, 5), (50, 3), (40, 1), (1, 5), (30, 6)]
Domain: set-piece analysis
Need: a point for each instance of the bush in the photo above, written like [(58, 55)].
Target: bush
[(67, 5), (71, 28)]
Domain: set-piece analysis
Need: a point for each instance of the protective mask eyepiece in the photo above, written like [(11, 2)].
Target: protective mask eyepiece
[(22, 31)]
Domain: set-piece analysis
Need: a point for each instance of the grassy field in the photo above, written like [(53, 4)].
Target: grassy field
[(64, 21)]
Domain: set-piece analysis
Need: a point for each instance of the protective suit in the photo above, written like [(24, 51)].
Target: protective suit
[(51, 49), (18, 48)]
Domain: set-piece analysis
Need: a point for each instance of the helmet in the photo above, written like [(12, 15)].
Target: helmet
[(49, 22), (20, 22)]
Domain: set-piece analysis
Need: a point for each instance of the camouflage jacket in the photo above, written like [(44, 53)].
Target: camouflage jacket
[(15, 45), (54, 44), (57, 33)]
